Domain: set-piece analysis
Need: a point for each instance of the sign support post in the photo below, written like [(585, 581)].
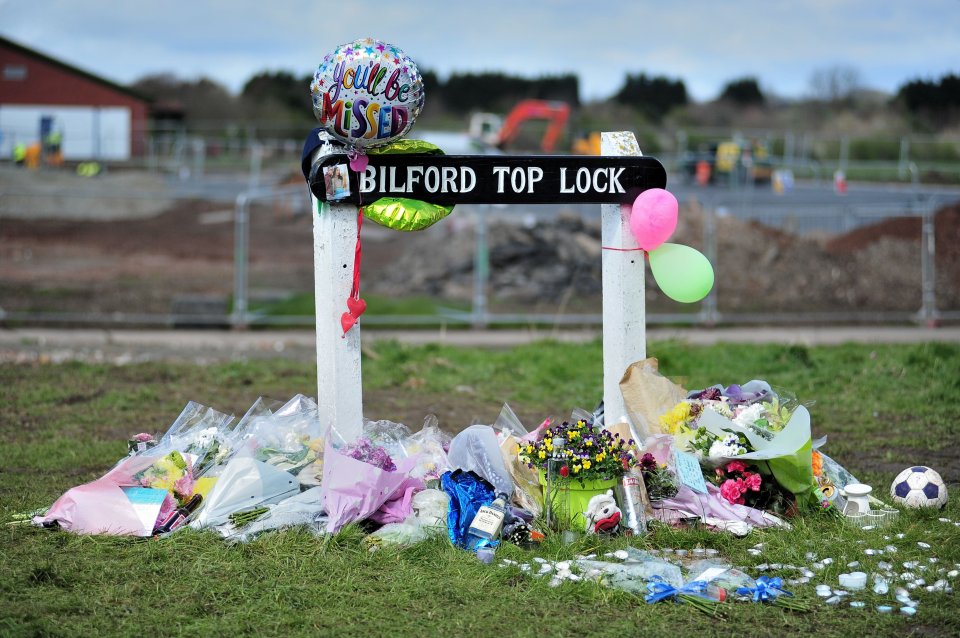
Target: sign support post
[(339, 381), (624, 294)]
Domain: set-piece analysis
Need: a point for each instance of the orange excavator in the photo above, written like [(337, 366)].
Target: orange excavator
[(556, 113), (487, 127)]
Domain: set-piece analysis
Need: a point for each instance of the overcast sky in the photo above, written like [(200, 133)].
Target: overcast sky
[(704, 42)]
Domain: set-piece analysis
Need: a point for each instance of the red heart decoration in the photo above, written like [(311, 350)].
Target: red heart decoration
[(357, 306), (347, 321)]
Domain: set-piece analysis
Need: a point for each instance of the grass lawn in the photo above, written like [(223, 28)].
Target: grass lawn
[(884, 407)]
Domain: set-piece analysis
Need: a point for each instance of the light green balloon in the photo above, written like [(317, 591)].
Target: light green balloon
[(683, 273)]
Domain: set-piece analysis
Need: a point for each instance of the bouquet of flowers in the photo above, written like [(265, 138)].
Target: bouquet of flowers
[(743, 484), (750, 423), (582, 451)]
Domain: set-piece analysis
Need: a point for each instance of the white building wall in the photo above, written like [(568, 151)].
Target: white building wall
[(89, 132)]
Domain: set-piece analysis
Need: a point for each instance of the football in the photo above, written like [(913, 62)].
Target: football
[(919, 486)]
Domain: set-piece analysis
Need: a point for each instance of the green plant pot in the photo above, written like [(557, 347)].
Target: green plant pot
[(571, 498)]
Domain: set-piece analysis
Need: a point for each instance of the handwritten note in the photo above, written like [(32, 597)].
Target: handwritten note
[(688, 469)]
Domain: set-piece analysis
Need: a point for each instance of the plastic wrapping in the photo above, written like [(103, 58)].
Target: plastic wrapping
[(476, 450), (527, 494), (429, 446), (300, 510), (355, 490), (633, 574), (131, 496)]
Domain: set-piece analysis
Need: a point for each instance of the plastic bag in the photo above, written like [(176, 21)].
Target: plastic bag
[(476, 450)]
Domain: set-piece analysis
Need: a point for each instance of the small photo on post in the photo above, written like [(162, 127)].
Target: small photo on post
[(337, 182)]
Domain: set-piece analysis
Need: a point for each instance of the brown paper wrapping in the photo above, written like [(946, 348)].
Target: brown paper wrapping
[(647, 394)]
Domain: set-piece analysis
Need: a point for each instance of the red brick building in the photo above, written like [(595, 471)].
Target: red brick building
[(98, 119)]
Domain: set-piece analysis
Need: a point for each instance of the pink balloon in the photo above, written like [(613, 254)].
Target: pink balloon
[(654, 218)]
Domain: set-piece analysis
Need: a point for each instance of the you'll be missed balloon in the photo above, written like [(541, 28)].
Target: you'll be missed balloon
[(468, 179)]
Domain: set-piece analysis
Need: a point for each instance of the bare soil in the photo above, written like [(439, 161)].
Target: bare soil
[(150, 264)]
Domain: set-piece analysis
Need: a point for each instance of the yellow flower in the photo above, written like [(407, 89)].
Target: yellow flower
[(542, 454), (676, 418), (529, 449), (576, 468), (586, 465), (547, 441), (588, 443), (600, 457), (568, 452), (549, 448)]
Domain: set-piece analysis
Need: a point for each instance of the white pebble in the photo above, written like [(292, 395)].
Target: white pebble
[(880, 585), (933, 560), (574, 577), (827, 561), (537, 559), (884, 565), (891, 549), (753, 552), (807, 573), (856, 604), (545, 569), (901, 535), (910, 564), (563, 565), (833, 600), (525, 567), (867, 528), (920, 582), (853, 563), (811, 556), (555, 582), (953, 573), (884, 609), (763, 567), (944, 520), (621, 554), (824, 591), (908, 611), (923, 545)]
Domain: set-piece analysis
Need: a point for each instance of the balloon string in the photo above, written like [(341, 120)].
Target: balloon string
[(620, 250), (357, 256)]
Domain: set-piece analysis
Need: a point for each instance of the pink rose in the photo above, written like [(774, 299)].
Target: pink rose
[(736, 466), (730, 491), (752, 482)]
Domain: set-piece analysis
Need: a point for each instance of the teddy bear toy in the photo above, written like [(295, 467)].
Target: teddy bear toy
[(603, 515)]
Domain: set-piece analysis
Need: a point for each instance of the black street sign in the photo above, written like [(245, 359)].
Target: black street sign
[(489, 179)]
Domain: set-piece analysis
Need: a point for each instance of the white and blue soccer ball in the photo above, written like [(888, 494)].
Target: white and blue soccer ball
[(919, 486)]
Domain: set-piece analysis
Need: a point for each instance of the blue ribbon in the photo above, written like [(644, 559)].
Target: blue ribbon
[(658, 590), (766, 590)]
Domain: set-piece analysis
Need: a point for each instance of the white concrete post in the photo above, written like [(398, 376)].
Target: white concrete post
[(339, 388), (624, 302)]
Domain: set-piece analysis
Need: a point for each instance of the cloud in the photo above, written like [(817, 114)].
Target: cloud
[(706, 43)]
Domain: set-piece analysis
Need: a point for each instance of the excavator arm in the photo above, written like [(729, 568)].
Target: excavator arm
[(557, 113)]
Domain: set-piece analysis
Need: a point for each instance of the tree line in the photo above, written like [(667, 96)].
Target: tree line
[(282, 96)]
